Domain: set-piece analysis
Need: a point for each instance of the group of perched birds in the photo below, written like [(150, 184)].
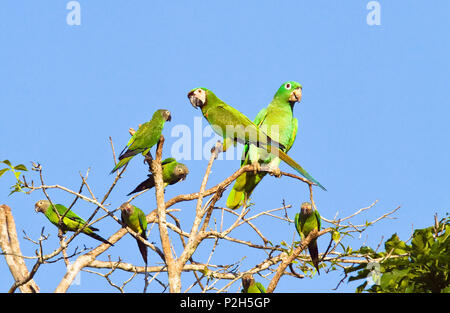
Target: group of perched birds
[(266, 142)]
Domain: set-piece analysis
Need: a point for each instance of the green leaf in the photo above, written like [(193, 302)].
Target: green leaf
[(20, 167), (3, 171), (6, 162), (336, 235)]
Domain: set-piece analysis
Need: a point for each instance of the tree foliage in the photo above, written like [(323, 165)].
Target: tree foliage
[(420, 266), (17, 171)]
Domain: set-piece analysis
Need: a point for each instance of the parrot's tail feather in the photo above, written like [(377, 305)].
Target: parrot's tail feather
[(235, 199), (146, 184), (124, 158), (142, 249), (275, 144), (121, 163), (298, 168), (99, 238), (129, 153), (243, 188), (314, 253)]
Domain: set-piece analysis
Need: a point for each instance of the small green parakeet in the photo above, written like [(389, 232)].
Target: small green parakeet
[(235, 127), (134, 218), (173, 172), (250, 286), (70, 222), (144, 138), (278, 122), (307, 220)]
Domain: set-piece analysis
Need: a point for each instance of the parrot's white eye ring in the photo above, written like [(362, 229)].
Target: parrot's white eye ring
[(288, 86)]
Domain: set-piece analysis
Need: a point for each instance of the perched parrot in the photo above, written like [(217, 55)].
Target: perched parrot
[(307, 220), (134, 218), (234, 127), (70, 222), (278, 123), (250, 286), (144, 138), (173, 172)]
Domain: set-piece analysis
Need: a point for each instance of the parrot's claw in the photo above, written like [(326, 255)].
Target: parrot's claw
[(256, 167), (276, 172)]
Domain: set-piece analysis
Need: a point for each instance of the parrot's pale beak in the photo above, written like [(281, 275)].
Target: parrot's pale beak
[(296, 95), (36, 209), (197, 100)]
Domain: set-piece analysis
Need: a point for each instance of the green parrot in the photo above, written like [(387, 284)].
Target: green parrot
[(70, 222), (173, 172), (144, 138), (307, 220), (276, 121), (250, 286), (134, 218), (234, 127)]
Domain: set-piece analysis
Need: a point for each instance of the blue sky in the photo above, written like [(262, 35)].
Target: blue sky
[(373, 121)]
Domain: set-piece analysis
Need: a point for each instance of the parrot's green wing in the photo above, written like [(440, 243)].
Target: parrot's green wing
[(70, 215), (261, 287), (142, 224), (144, 138), (259, 119), (173, 172), (256, 288), (168, 160), (250, 133), (223, 117), (294, 134), (319, 219), (297, 225), (138, 223), (143, 227)]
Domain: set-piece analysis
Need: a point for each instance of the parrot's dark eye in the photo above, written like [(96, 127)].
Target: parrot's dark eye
[(288, 86)]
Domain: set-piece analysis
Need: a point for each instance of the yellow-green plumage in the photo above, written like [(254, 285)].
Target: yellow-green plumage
[(278, 122), (144, 138), (134, 218), (70, 220), (172, 171), (306, 221), (250, 286), (234, 126)]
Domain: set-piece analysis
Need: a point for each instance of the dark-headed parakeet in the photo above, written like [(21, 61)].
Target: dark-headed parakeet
[(307, 220), (278, 122), (173, 172), (250, 286), (144, 138), (134, 218), (70, 222), (234, 126)]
